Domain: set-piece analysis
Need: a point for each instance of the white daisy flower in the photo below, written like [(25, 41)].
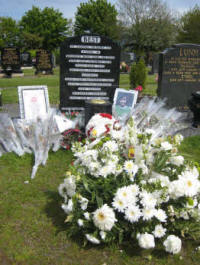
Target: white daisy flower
[(132, 214), (104, 218), (148, 213), (119, 204), (67, 207), (87, 215), (130, 167), (160, 215), (176, 160), (112, 146), (159, 231), (84, 202)]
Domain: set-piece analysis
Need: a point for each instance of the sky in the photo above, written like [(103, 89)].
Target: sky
[(17, 8)]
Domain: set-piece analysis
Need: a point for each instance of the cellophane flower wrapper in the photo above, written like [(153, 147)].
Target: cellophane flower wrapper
[(130, 184), (8, 136)]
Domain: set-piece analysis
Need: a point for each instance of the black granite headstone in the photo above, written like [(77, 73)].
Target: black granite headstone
[(26, 59), (179, 74), (44, 62), (89, 69), (10, 60)]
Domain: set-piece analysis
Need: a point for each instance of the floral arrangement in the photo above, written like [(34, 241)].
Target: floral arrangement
[(129, 184)]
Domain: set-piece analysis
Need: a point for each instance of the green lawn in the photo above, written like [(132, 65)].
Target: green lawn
[(32, 228), (9, 85)]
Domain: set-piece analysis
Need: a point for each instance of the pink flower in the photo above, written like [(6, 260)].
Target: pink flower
[(138, 88)]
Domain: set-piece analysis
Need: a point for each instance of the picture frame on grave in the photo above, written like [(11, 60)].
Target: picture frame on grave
[(33, 101), (123, 103)]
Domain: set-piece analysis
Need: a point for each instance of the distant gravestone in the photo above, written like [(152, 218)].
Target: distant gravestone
[(10, 60), (89, 69), (44, 62), (179, 74), (26, 59), (155, 63)]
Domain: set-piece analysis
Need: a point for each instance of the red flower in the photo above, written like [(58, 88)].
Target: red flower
[(138, 88), (106, 115)]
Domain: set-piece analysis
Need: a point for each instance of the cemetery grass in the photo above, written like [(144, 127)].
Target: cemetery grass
[(10, 94), (32, 227)]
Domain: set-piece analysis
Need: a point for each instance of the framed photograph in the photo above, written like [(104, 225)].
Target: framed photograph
[(124, 101), (33, 101)]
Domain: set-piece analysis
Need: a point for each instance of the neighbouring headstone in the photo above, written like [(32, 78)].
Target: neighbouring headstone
[(26, 59), (44, 64), (155, 63), (10, 61), (179, 74), (89, 69)]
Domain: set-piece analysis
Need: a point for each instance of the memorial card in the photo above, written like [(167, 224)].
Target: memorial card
[(33, 102), (124, 101)]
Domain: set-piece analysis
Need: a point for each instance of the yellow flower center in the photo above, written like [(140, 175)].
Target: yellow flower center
[(189, 183), (94, 132), (101, 216)]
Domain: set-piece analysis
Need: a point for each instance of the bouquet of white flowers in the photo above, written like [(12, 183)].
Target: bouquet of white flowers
[(130, 183)]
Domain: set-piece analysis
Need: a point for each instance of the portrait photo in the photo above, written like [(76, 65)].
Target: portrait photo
[(124, 101)]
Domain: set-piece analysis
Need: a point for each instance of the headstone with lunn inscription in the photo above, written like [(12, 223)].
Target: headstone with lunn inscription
[(179, 74), (89, 69)]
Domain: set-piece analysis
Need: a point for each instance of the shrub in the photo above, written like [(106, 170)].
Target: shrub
[(138, 74)]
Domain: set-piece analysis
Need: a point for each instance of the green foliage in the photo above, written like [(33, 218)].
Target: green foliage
[(97, 16), (9, 32), (138, 74), (45, 28), (189, 31)]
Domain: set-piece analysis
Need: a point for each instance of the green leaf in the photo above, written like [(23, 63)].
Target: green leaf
[(99, 201)]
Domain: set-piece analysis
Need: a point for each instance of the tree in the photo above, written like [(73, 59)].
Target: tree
[(97, 16), (189, 31), (149, 23), (44, 28), (9, 32)]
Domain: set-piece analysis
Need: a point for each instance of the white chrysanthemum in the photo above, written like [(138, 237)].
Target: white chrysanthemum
[(130, 167), (112, 146), (191, 184), (132, 214), (119, 204), (67, 207), (133, 189), (148, 213), (159, 231), (106, 170), (92, 239), (176, 189), (117, 135), (160, 215), (184, 215), (84, 202), (146, 241), (166, 146), (93, 166), (148, 200), (176, 160), (172, 244), (70, 183), (125, 195), (191, 203), (143, 166), (87, 215), (80, 222), (104, 218), (62, 190)]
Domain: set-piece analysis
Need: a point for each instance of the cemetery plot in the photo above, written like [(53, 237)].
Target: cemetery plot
[(179, 74), (89, 69)]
